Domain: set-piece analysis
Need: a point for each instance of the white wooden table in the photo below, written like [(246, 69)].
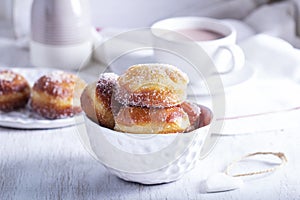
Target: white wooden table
[(53, 164)]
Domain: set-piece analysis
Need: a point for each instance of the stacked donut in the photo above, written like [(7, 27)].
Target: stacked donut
[(53, 96), (147, 98)]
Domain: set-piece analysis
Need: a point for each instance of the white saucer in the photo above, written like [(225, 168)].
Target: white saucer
[(237, 77), (229, 80)]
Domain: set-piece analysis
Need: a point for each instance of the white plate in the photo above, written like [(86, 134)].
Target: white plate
[(24, 118)]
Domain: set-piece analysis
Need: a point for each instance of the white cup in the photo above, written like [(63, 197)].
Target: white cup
[(223, 50)]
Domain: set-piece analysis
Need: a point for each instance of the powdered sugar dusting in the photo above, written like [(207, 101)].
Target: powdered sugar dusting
[(59, 77), (154, 98), (108, 76), (107, 83), (153, 73), (57, 83), (7, 76), (152, 85), (161, 68)]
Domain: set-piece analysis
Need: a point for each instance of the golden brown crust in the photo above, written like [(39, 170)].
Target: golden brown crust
[(152, 85), (57, 95), (151, 120), (148, 97), (105, 90), (98, 102), (58, 83), (105, 103), (14, 91), (56, 108)]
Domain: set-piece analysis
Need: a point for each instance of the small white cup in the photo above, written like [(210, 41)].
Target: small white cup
[(224, 52)]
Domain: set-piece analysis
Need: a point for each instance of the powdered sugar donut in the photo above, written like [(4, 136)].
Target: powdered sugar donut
[(14, 91), (152, 85), (57, 95), (97, 100)]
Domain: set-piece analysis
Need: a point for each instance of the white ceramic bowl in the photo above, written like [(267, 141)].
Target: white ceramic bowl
[(146, 158)]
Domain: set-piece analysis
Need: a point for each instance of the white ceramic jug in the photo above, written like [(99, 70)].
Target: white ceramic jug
[(60, 33)]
